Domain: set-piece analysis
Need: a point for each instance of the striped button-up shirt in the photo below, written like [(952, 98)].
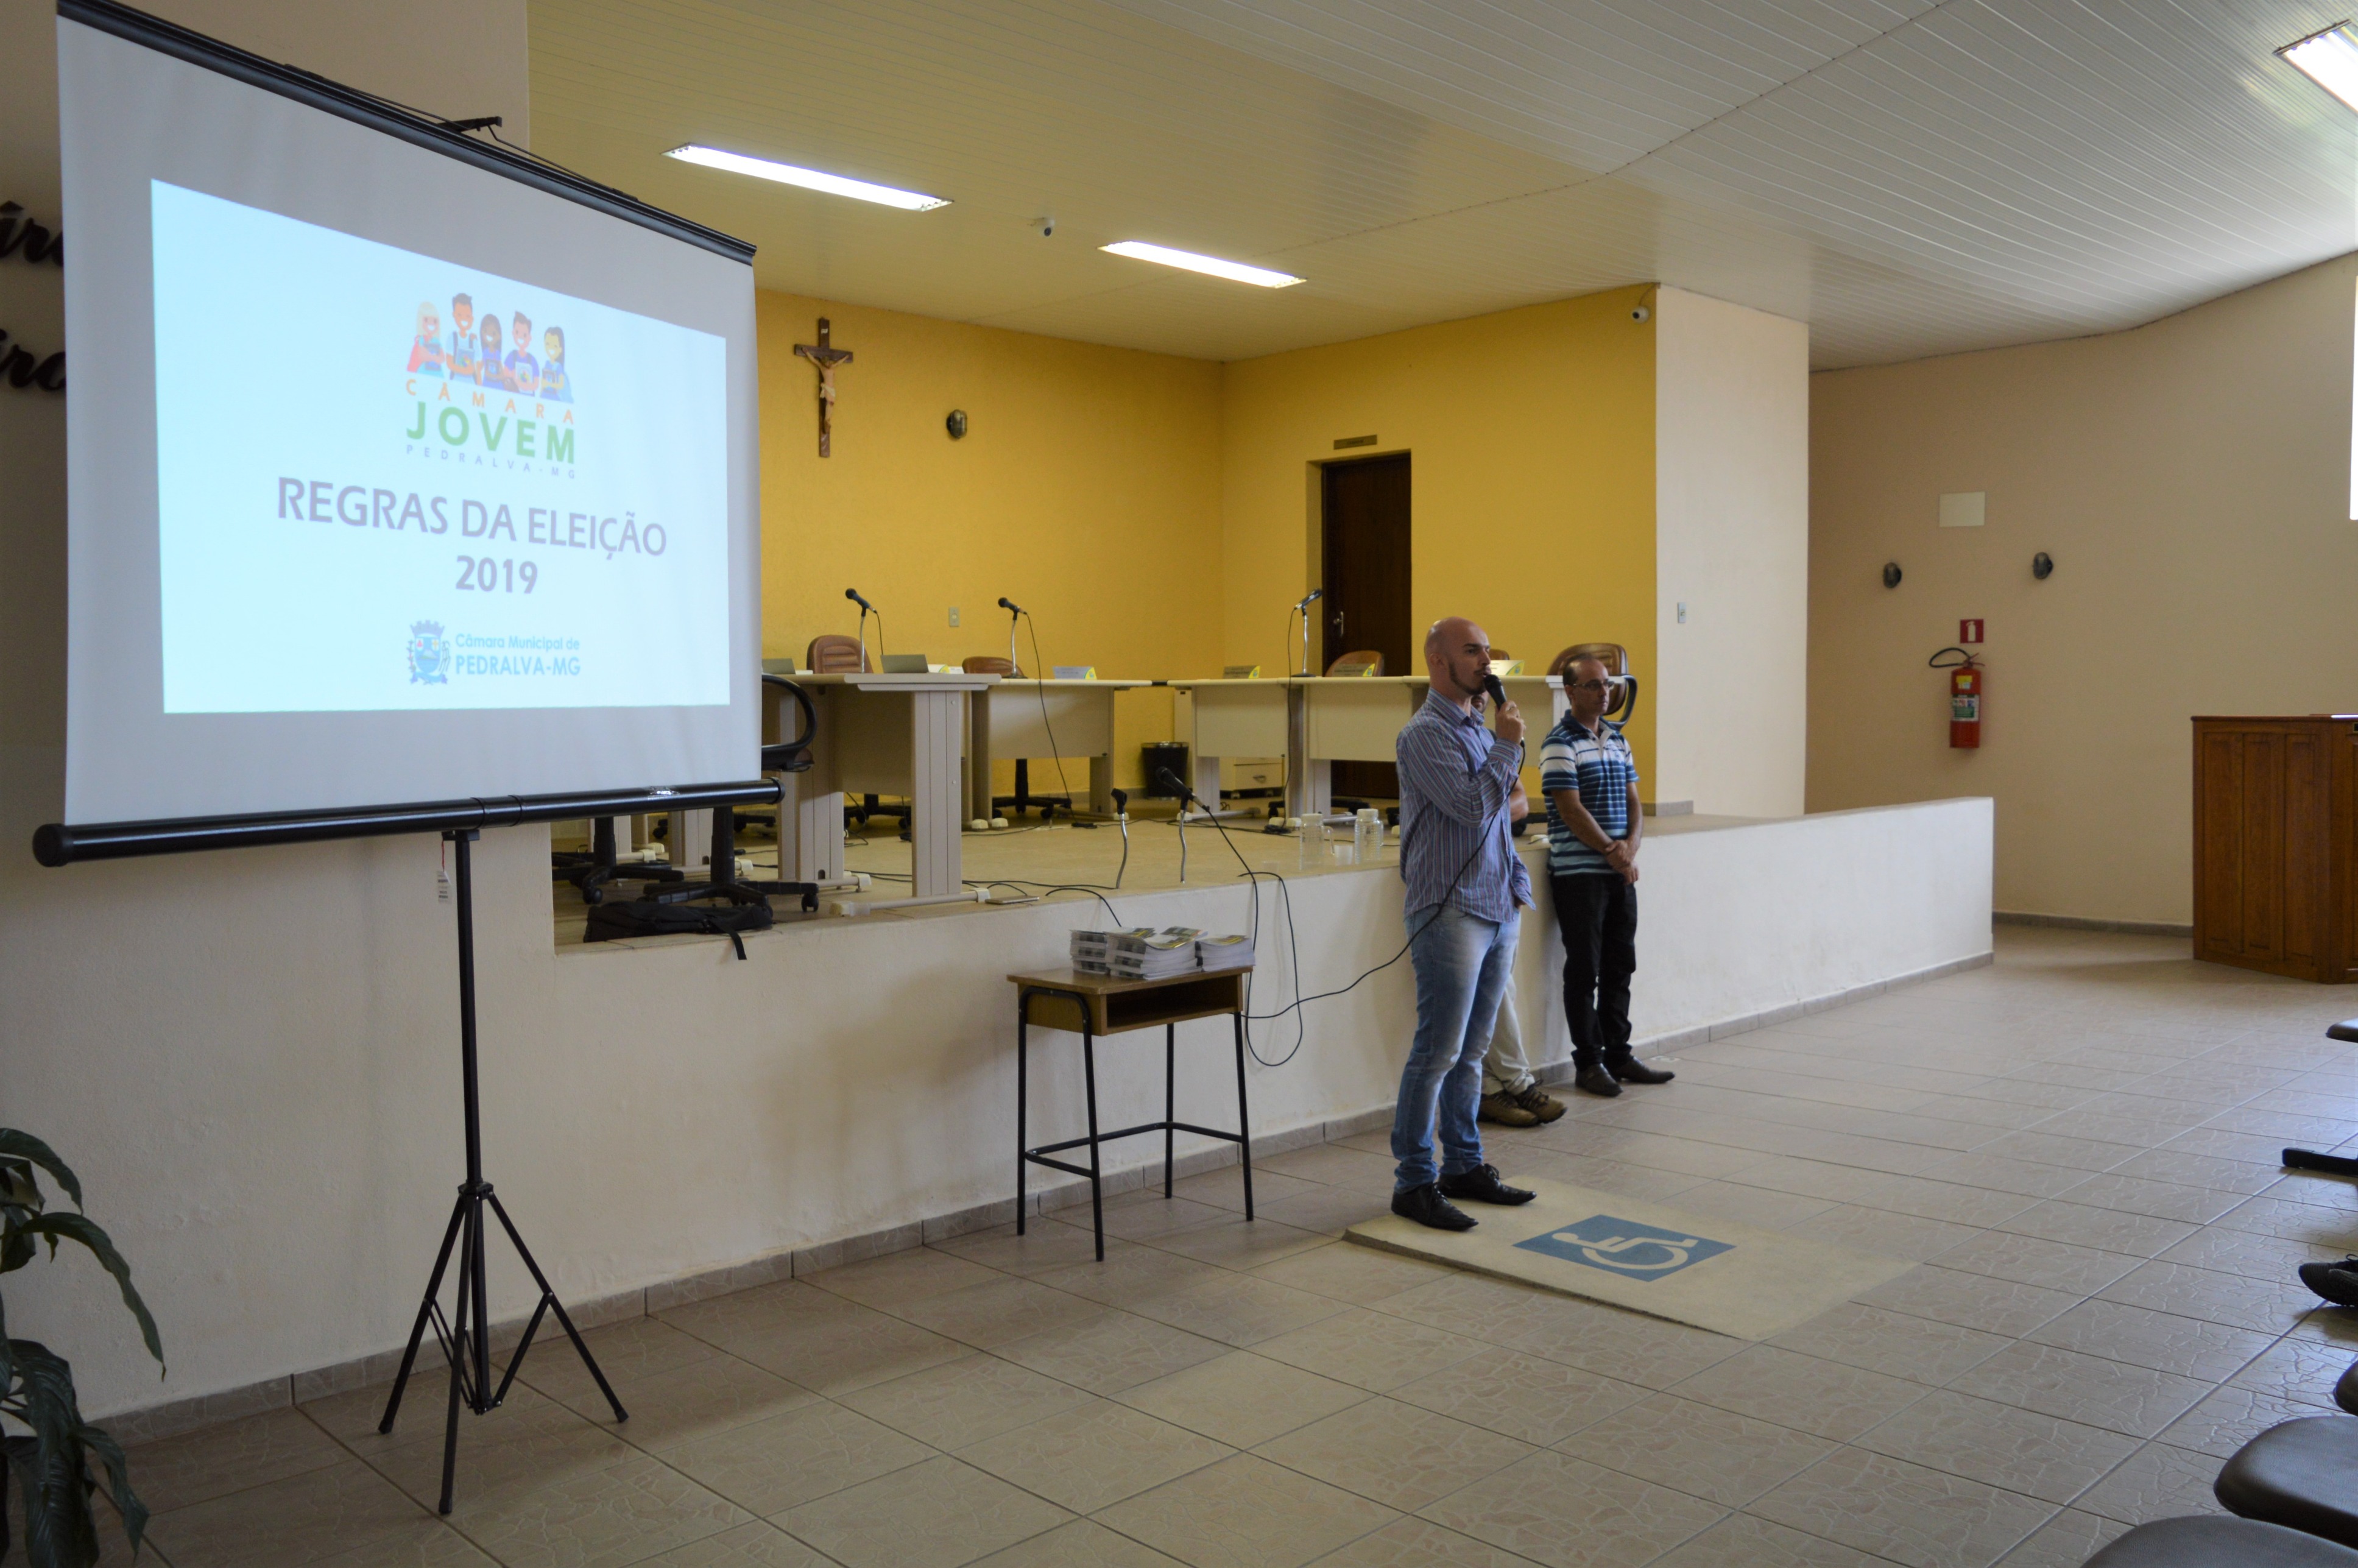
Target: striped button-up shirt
[(1454, 777)]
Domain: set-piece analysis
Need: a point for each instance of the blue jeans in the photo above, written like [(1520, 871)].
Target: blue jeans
[(1462, 964)]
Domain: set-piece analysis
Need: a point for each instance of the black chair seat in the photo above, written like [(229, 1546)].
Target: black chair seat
[(2208, 1541), (2345, 1029), (2300, 1473)]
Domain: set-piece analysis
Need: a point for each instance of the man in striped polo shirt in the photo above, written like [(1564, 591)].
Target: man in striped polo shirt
[(1590, 779)]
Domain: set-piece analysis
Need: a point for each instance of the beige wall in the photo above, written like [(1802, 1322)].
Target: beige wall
[(1732, 545), (2190, 479)]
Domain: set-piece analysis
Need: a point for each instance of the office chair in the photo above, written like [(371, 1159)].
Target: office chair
[(590, 871), (1615, 660), (833, 654), (1008, 669)]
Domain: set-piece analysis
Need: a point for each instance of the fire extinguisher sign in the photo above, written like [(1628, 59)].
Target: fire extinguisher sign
[(1969, 631)]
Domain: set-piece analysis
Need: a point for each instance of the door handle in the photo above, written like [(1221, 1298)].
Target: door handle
[(1338, 624)]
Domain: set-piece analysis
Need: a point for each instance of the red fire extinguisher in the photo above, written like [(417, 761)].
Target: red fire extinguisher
[(1966, 685)]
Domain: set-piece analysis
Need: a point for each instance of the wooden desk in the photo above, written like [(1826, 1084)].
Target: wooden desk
[(1043, 719), (881, 735), (1229, 719), (2275, 845), (1091, 1005)]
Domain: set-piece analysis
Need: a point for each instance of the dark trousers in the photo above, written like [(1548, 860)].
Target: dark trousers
[(1598, 917)]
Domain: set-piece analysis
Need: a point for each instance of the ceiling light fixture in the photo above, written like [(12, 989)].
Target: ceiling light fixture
[(2329, 59), (1236, 272), (808, 178)]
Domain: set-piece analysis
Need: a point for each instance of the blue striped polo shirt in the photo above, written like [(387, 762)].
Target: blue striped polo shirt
[(1601, 768)]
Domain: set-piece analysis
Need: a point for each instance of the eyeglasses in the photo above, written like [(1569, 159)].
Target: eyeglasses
[(1586, 685)]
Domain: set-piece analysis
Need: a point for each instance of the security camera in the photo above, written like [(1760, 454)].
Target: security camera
[(1641, 314)]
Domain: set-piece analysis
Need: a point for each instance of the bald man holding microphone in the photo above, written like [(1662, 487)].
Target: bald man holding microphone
[(1466, 895)]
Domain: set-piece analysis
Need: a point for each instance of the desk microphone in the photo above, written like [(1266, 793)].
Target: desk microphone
[(1312, 597), (1009, 605), (853, 594)]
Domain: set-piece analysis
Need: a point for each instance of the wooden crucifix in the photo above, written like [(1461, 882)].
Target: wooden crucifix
[(826, 356)]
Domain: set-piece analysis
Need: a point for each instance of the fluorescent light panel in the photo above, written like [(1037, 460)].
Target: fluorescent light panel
[(808, 178), (1236, 272), (2329, 59)]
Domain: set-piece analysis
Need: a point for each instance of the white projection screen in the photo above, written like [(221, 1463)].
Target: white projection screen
[(399, 470)]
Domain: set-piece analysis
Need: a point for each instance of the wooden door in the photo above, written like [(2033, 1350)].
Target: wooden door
[(1364, 539)]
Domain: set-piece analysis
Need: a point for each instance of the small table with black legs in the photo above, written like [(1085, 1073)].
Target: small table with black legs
[(1091, 1005)]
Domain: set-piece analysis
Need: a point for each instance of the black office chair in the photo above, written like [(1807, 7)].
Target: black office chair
[(592, 870), (2209, 1541), (784, 757)]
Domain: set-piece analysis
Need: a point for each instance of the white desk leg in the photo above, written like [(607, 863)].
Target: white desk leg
[(810, 831), (938, 720), (978, 757), (690, 839), (1207, 782), (1320, 787)]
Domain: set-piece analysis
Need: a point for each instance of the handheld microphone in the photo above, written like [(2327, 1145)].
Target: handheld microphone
[(1491, 684), (1312, 597), (1009, 605), (853, 594)]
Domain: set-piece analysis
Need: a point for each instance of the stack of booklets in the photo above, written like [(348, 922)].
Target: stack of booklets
[(1155, 956), (1093, 950), (1225, 952)]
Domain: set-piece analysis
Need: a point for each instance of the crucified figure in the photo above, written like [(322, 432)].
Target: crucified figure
[(825, 356)]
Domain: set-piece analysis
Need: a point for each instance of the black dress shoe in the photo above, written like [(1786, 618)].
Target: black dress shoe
[(1481, 1184), (1595, 1081), (2337, 1282), (1631, 1070), (1425, 1206)]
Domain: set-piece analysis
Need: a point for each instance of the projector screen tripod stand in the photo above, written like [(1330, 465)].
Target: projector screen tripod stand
[(464, 1336)]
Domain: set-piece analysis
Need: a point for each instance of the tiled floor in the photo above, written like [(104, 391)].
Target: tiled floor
[(2079, 1145)]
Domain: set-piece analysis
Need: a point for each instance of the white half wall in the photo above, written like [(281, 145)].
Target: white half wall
[(1732, 545), (252, 1059)]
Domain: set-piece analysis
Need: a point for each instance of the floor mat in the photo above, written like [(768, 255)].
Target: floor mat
[(1712, 1273)]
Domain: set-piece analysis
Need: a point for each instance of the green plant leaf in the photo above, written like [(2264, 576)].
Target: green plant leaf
[(55, 1482), (118, 1482), (25, 1146), (75, 1227)]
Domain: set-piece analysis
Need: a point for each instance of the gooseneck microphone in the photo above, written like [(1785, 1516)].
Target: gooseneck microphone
[(1009, 605), (1312, 597), (853, 594)]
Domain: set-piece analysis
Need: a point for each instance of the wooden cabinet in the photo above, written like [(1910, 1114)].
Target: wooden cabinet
[(2275, 883)]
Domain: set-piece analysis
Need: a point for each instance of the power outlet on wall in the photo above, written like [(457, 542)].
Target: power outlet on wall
[(953, 614)]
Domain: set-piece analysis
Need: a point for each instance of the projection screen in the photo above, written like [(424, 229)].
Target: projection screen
[(399, 470)]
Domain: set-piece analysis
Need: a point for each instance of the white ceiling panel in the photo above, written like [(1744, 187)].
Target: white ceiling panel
[(1910, 176)]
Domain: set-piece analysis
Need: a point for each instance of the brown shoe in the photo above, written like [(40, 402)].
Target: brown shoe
[(1539, 1103), (1508, 1111)]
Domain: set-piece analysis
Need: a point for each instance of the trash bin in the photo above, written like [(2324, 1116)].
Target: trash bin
[(1157, 756)]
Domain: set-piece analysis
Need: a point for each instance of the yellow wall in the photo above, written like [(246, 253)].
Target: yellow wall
[(1531, 434), (1087, 489)]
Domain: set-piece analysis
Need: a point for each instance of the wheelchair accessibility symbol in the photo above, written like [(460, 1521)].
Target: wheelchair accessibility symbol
[(1624, 1247)]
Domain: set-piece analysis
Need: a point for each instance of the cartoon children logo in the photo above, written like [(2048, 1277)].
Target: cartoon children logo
[(483, 352)]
